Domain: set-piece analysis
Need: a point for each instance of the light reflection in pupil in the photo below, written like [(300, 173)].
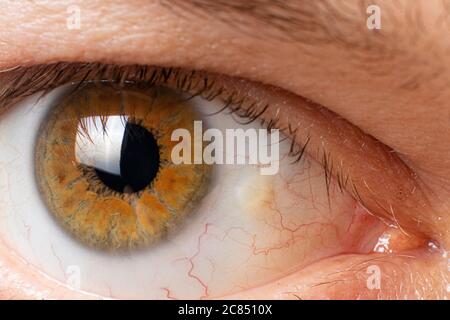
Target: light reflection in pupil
[(139, 161), (124, 155)]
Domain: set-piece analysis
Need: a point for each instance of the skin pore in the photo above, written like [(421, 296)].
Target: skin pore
[(385, 92)]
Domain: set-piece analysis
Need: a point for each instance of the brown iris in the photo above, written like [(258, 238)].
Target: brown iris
[(104, 170)]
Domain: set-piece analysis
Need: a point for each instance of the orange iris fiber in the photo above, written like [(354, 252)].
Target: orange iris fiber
[(92, 212)]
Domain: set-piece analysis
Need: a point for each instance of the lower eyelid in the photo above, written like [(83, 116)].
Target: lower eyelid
[(415, 275), (24, 281)]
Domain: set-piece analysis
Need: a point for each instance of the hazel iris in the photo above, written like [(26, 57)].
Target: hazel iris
[(103, 165)]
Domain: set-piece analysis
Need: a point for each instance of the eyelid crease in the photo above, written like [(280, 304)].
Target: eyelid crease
[(352, 160)]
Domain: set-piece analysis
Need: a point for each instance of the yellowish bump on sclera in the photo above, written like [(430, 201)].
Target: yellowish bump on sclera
[(256, 193)]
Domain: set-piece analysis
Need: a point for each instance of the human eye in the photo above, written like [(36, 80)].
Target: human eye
[(90, 188), (99, 185), (94, 183)]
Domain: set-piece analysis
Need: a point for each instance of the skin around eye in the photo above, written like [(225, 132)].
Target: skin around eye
[(374, 88), (85, 194)]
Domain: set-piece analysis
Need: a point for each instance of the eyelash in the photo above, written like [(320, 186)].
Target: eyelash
[(47, 77), (194, 83)]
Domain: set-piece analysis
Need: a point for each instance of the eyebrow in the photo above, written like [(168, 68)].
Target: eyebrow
[(308, 22), (335, 23)]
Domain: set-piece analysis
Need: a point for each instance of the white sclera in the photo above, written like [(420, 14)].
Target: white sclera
[(218, 250)]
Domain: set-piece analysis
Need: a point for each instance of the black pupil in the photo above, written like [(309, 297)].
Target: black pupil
[(139, 161)]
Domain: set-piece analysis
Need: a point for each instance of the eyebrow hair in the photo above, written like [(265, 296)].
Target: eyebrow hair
[(305, 21), (325, 22)]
